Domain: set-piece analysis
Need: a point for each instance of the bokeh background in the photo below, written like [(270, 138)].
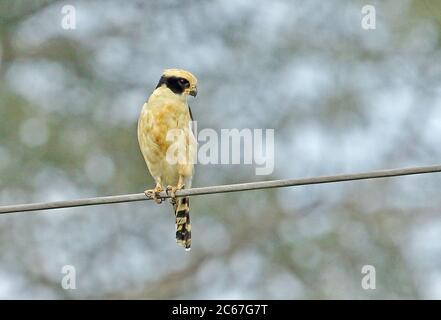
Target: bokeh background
[(340, 98)]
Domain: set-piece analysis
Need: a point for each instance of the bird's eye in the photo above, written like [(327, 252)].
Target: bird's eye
[(182, 80)]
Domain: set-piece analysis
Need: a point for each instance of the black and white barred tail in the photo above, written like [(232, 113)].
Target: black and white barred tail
[(183, 226)]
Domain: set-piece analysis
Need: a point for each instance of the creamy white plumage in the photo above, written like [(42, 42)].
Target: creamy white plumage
[(168, 144)]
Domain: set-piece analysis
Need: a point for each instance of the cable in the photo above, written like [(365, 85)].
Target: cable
[(222, 189)]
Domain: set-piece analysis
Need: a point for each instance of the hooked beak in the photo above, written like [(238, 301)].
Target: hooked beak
[(194, 92)]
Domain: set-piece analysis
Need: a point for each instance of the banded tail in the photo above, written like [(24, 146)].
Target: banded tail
[(183, 226)]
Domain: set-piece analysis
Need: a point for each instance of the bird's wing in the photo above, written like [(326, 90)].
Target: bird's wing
[(191, 114)]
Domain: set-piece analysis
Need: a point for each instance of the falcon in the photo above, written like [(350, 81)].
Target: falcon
[(168, 144)]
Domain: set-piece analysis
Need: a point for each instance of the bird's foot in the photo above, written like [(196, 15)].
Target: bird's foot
[(172, 192), (154, 194)]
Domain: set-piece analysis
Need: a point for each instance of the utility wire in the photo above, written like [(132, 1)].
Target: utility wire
[(222, 189)]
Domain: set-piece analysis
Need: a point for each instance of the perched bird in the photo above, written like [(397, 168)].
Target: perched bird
[(168, 145)]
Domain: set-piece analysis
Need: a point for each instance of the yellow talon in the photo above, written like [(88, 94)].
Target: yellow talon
[(172, 192), (154, 194)]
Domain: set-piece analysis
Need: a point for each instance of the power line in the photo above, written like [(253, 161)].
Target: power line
[(222, 189)]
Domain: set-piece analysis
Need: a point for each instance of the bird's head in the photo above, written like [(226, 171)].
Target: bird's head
[(179, 81)]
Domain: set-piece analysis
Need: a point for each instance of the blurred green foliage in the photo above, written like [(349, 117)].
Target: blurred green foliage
[(340, 99)]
